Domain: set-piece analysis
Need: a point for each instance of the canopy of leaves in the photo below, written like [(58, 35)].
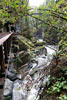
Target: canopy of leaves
[(12, 10), (53, 18)]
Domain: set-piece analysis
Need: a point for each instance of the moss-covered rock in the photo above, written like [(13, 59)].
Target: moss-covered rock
[(21, 59), (40, 43), (24, 43)]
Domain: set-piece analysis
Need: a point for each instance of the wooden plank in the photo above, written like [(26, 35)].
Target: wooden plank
[(4, 38)]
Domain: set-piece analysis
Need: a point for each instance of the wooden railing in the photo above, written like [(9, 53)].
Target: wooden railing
[(5, 43)]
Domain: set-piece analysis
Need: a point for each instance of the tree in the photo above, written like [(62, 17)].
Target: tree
[(53, 17), (12, 10)]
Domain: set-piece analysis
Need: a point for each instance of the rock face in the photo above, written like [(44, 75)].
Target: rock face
[(8, 87)]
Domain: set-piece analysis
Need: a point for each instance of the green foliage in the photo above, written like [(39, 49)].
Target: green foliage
[(63, 47), (53, 19), (58, 86), (17, 62), (12, 10), (63, 97)]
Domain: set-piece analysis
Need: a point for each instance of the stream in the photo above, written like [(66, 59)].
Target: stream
[(31, 86)]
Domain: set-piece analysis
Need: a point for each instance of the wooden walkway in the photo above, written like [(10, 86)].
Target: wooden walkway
[(5, 43)]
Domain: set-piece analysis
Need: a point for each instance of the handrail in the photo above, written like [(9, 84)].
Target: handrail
[(5, 43), (4, 38)]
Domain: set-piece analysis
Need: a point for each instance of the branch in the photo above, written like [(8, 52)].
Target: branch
[(45, 22), (42, 21), (55, 13)]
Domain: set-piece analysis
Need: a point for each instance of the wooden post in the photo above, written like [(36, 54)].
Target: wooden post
[(5, 51), (2, 63), (7, 46), (9, 42)]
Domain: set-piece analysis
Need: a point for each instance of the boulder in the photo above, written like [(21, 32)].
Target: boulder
[(27, 82), (24, 43), (22, 59), (41, 50), (19, 76), (41, 63), (19, 92), (32, 63), (8, 87), (11, 76), (40, 43), (22, 46)]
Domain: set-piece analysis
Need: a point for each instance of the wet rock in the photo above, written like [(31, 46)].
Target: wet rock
[(32, 94), (38, 76), (40, 42), (18, 91), (27, 82), (42, 62), (11, 76), (13, 70), (19, 76), (45, 80), (33, 63), (8, 87), (41, 51)]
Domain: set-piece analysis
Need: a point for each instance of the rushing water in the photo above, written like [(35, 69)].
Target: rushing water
[(43, 61)]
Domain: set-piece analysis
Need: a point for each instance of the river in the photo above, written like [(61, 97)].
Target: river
[(33, 83)]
